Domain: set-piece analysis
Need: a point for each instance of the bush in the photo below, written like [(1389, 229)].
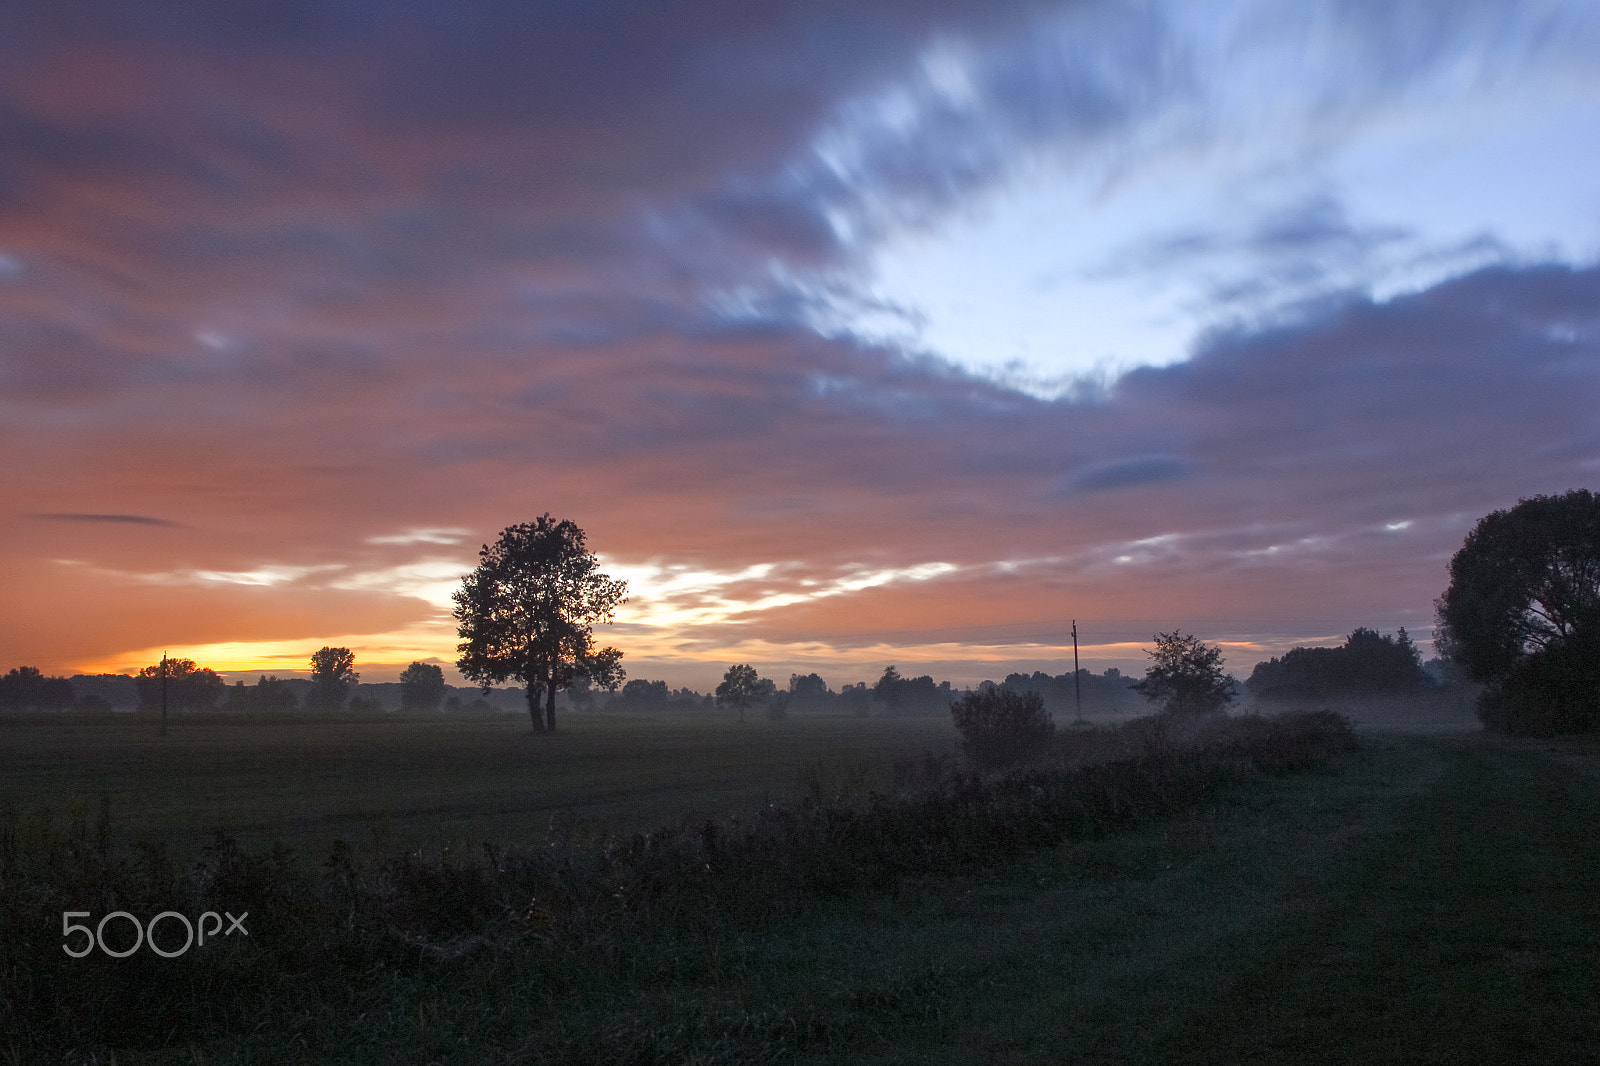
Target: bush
[(1000, 726), (1547, 694)]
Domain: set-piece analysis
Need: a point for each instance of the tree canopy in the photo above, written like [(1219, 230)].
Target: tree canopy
[(422, 687), (189, 687), (1522, 614), (25, 687), (333, 675), (526, 612), (1186, 676), (738, 688)]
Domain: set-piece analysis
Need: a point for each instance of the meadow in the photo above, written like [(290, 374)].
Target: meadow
[(1279, 896), (393, 782)]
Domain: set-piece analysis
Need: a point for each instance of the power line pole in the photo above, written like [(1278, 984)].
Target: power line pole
[(1077, 682), (163, 693)]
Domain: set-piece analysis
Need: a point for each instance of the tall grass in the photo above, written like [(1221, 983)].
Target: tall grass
[(561, 912)]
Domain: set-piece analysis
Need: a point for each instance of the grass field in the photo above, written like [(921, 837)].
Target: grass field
[(1431, 898), (397, 782)]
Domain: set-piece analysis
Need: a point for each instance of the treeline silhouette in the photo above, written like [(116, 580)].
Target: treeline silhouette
[(27, 689), (1367, 664)]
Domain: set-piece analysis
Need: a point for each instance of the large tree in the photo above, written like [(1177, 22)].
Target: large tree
[(1185, 676), (333, 677), (188, 687), (525, 614), (1522, 614), (422, 687)]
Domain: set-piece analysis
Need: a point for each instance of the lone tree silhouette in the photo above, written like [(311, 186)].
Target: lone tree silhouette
[(738, 688), (333, 676), (1186, 676), (525, 614), (421, 687), (1522, 614)]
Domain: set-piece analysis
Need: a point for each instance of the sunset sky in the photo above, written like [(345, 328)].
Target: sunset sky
[(852, 333)]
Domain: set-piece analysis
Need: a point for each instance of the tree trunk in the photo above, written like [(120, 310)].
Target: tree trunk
[(550, 702), (533, 709)]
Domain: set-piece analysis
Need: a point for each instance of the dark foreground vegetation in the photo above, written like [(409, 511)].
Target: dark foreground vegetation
[(563, 950)]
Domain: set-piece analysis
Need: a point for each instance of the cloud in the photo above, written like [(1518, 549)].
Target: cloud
[(122, 519), (442, 535), (333, 286), (1128, 473)]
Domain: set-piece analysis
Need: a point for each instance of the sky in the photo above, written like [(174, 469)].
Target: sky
[(851, 333)]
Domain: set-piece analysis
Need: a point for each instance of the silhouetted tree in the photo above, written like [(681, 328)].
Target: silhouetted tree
[(333, 676), (113, 690), (1367, 664), (275, 694), (525, 613), (26, 688), (421, 687), (1522, 614), (1186, 676), (189, 687), (641, 695), (919, 695), (856, 698), (738, 688), (808, 691), (887, 689)]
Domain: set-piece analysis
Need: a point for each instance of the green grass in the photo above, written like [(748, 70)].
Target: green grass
[(1425, 899), (398, 783)]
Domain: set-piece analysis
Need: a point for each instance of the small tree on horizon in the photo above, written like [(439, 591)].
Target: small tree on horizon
[(888, 688), (333, 676), (422, 687), (526, 614), (189, 687), (1186, 676), (738, 688)]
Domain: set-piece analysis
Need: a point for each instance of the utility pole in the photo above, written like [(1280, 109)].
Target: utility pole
[(163, 693), (1077, 682)]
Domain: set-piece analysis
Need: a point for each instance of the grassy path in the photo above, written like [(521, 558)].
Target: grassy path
[(1467, 932), (1436, 901)]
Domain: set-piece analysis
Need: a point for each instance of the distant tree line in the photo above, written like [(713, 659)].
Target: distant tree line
[(25, 688), (1367, 664), (187, 687), (1106, 693), (744, 691)]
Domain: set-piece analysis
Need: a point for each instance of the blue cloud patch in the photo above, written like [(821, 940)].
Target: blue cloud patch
[(1127, 473)]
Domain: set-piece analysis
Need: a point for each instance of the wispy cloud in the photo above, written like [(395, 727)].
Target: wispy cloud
[(442, 535), (113, 519)]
